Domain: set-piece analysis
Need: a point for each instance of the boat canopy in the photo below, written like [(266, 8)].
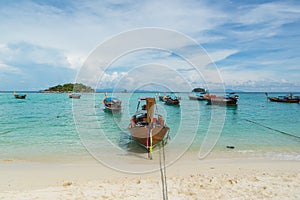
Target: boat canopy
[(199, 90), (110, 99)]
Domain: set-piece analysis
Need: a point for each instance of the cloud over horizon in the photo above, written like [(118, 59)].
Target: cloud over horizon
[(255, 45)]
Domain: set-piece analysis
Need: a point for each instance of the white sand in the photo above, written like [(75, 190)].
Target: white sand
[(186, 179)]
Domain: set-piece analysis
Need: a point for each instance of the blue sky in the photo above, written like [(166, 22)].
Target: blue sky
[(254, 44)]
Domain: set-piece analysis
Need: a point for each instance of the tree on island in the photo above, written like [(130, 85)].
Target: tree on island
[(70, 87)]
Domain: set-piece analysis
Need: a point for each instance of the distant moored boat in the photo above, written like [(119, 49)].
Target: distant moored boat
[(284, 99), (229, 100), (74, 96), (172, 100), (199, 94), (19, 96), (112, 104)]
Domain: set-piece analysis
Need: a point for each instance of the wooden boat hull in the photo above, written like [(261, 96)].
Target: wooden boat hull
[(74, 97), (172, 102), (222, 101), (112, 106), (197, 98), (140, 134), (275, 99), (20, 96), (161, 98), (112, 110)]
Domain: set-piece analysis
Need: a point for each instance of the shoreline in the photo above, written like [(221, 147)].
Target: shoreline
[(218, 153), (186, 178)]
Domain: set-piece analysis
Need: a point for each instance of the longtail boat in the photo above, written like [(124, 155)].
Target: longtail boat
[(172, 100), (162, 98), (74, 96), (112, 104), (147, 127), (284, 99), (199, 94), (19, 96), (228, 100)]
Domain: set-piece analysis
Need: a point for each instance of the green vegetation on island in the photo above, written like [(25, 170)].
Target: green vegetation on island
[(70, 87)]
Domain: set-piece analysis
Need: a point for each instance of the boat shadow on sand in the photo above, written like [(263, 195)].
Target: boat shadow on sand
[(129, 145)]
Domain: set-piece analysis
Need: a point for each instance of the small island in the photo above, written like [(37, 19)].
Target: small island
[(70, 87)]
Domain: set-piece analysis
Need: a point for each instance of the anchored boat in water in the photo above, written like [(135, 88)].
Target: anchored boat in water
[(228, 100), (171, 99), (284, 99), (19, 96), (147, 127), (74, 96), (199, 94), (112, 104)]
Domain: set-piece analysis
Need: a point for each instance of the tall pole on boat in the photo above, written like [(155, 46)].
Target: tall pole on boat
[(150, 103)]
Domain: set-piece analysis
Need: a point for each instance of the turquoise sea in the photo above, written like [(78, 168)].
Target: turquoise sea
[(42, 127)]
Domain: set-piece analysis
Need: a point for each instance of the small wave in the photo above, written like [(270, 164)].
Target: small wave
[(245, 151), (283, 156)]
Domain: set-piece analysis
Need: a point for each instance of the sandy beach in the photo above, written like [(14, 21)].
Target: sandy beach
[(210, 88), (186, 179)]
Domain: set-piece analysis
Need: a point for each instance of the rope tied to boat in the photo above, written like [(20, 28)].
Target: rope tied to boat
[(5, 132), (150, 142), (278, 131), (162, 165)]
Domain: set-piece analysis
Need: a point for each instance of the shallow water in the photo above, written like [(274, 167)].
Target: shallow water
[(42, 127)]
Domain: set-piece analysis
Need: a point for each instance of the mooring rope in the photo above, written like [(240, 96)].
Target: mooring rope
[(162, 164), (267, 127), (165, 174), (5, 132)]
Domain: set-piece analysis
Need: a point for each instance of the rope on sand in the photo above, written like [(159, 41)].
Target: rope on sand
[(162, 164), (278, 131)]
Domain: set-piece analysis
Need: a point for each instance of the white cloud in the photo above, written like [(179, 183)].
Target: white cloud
[(8, 69), (26, 54), (90, 22), (274, 14), (264, 20), (220, 55), (75, 61), (153, 74), (63, 34)]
